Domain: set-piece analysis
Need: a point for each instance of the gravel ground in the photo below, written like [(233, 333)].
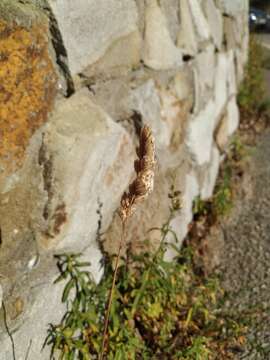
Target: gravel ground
[(243, 248)]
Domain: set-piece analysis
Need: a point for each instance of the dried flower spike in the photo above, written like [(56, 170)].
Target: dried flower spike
[(144, 166)]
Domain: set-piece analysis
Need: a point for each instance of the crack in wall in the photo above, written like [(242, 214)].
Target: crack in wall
[(47, 172), (60, 52)]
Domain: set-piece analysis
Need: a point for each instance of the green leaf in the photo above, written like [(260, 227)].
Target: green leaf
[(61, 277), (68, 287)]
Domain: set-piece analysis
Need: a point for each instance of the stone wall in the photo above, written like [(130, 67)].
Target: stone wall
[(78, 79)]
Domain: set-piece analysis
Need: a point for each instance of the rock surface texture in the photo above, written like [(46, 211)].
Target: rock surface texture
[(78, 79)]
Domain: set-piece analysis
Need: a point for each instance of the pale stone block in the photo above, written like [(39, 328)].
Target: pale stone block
[(234, 7), (121, 56), (204, 70), (200, 22), (211, 175), (181, 222), (205, 64), (171, 11), (221, 89), (215, 21), (92, 162), (233, 116), (146, 100), (231, 81), (228, 125), (160, 52), (200, 134), (46, 307), (89, 29), (183, 84), (187, 40)]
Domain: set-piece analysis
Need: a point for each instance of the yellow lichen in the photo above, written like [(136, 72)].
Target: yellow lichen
[(27, 89)]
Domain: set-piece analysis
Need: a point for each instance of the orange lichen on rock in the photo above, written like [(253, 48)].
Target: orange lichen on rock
[(27, 89)]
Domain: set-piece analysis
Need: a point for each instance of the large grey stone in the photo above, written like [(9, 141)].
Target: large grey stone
[(121, 56), (205, 64), (162, 111), (171, 11), (44, 307), (184, 84), (199, 20), (181, 222), (85, 161), (215, 21), (145, 100), (231, 34), (221, 89), (234, 7), (231, 81), (160, 52), (92, 161), (89, 29), (200, 134), (187, 39), (210, 175), (228, 125)]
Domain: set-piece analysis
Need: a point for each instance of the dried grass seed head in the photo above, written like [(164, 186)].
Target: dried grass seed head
[(144, 166)]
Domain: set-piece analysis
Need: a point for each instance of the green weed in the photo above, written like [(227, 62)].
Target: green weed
[(160, 310)]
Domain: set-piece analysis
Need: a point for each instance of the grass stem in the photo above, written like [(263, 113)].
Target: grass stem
[(108, 310)]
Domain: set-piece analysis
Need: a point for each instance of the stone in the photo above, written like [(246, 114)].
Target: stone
[(91, 161), (202, 126), (160, 52), (183, 84), (85, 161), (221, 89), (230, 37), (121, 56), (211, 175), (161, 110), (231, 81), (146, 101), (112, 96), (1, 296), (199, 20), (39, 314), (215, 22), (89, 30), (171, 12), (174, 114), (180, 223), (187, 40), (234, 7), (28, 84), (228, 125), (205, 65), (148, 215)]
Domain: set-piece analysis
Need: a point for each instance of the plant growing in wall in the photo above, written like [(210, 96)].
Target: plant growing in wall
[(159, 310)]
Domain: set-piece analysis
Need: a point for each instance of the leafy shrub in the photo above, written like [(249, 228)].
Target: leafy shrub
[(160, 310)]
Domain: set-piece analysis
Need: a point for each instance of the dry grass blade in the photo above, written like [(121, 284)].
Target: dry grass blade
[(139, 189)]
